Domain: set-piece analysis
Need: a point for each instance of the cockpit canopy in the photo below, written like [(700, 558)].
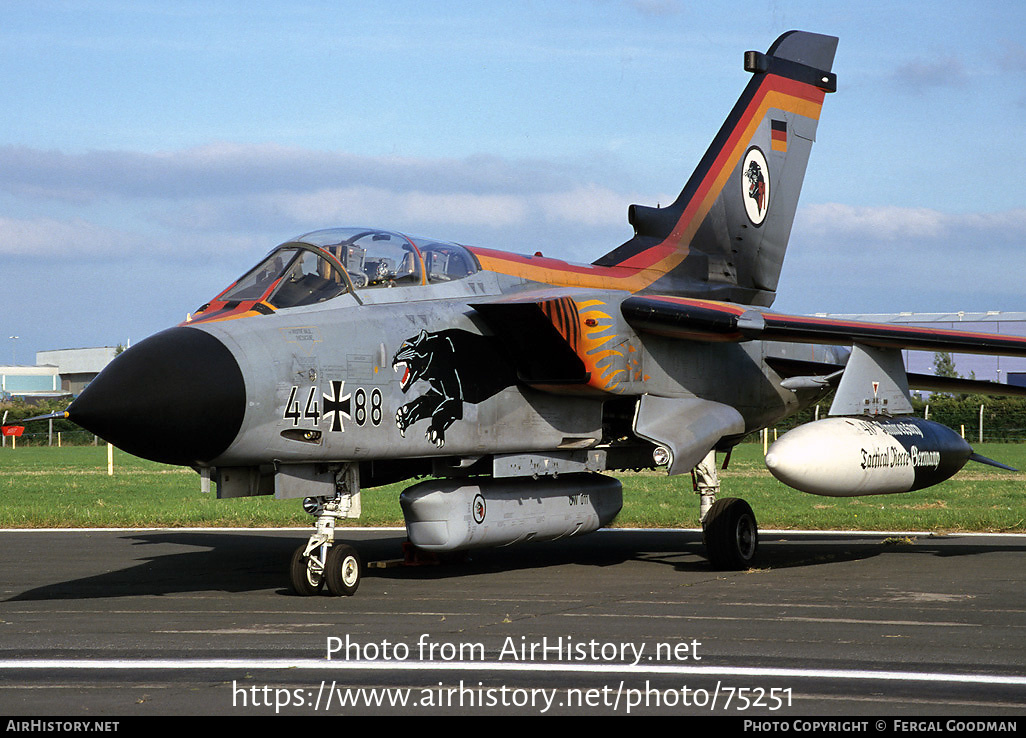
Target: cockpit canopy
[(320, 265)]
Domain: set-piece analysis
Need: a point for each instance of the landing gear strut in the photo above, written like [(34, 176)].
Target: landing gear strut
[(729, 530), (321, 561)]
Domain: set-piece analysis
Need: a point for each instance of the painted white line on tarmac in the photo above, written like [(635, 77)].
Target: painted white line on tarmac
[(495, 666), (400, 529)]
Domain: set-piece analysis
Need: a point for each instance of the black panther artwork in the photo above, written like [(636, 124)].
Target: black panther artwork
[(458, 367), (756, 186)]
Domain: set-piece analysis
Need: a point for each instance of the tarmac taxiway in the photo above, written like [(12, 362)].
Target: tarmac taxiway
[(196, 622)]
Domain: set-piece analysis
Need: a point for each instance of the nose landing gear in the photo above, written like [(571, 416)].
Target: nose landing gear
[(321, 561)]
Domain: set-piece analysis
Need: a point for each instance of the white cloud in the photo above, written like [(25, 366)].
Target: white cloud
[(851, 259), (587, 205), (656, 7), (226, 169), (220, 193), (374, 205), (60, 239), (222, 197), (419, 212), (891, 223), (940, 71)]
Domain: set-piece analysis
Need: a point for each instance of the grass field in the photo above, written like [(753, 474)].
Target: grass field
[(69, 487)]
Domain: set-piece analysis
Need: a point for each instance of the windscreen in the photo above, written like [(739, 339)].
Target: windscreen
[(290, 276)]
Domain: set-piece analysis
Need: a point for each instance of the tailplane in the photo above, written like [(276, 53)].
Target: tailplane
[(725, 235)]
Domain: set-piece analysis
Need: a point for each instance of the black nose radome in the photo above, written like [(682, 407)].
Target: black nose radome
[(178, 397)]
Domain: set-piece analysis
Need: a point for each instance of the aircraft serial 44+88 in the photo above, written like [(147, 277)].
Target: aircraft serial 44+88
[(354, 357)]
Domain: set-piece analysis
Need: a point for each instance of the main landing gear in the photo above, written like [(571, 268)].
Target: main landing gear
[(729, 530), (731, 534), (321, 561)]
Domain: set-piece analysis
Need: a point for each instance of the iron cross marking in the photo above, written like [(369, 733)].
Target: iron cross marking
[(337, 405)]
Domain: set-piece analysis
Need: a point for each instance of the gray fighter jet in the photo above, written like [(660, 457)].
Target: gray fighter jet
[(354, 357)]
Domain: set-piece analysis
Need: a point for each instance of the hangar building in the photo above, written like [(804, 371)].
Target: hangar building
[(30, 382), (77, 367)]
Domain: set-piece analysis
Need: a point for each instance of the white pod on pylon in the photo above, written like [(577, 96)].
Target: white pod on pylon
[(852, 456), (454, 515)]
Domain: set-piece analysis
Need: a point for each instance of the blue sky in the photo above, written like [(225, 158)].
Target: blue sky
[(150, 152)]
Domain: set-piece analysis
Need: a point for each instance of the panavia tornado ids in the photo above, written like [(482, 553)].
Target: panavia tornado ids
[(512, 384)]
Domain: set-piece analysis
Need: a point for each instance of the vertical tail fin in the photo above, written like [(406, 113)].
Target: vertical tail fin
[(725, 235)]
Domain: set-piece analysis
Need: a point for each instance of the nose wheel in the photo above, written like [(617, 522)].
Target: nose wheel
[(342, 570), (306, 572)]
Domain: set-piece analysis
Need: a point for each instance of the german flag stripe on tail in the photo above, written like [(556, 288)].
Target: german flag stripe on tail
[(779, 135)]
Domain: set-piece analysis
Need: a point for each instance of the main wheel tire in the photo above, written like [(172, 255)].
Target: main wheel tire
[(342, 570), (301, 580), (731, 534)]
